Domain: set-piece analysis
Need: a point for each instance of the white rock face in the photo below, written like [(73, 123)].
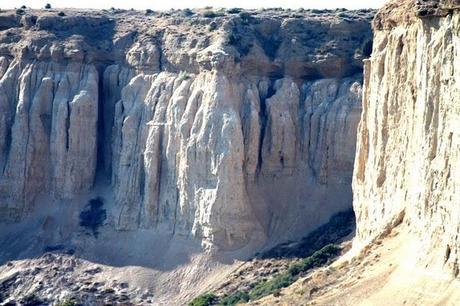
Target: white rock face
[(200, 155), (48, 132), (407, 164), (193, 128)]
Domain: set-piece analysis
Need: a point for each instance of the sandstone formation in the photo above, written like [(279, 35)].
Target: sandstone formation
[(407, 164), (228, 127)]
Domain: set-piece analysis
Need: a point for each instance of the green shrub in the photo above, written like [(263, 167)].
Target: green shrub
[(62, 14), (207, 299), (318, 259), (235, 298), (69, 302), (282, 280), (339, 226), (271, 286), (48, 6)]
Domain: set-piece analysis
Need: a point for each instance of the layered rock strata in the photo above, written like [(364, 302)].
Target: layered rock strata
[(229, 128)]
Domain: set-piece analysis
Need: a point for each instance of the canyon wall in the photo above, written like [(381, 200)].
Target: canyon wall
[(229, 128), (407, 164)]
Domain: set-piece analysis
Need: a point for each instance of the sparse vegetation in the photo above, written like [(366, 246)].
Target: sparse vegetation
[(245, 16), (69, 302), (275, 284), (211, 14), (207, 299), (234, 298), (234, 10), (318, 259), (187, 12), (269, 287), (338, 227), (282, 280)]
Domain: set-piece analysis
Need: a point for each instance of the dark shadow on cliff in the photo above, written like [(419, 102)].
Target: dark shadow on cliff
[(339, 227), (97, 242), (86, 231)]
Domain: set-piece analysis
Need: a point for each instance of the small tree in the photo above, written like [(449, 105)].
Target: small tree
[(48, 6)]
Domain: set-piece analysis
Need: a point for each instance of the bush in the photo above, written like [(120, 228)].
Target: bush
[(48, 6), (20, 12), (148, 12), (62, 14), (271, 286), (210, 14), (245, 16), (235, 298), (204, 300), (282, 280), (69, 302), (234, 10), (187, 12), (318, 259), (23, 7), (339, 226)]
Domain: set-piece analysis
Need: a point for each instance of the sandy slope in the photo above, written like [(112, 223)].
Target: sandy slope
[(144, 267), (385, 274)]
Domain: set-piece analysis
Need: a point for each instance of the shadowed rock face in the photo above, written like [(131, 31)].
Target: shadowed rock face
[(427, 8), (231, 129), (407, 164)]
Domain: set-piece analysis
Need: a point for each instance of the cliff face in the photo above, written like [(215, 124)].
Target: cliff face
[(407, 165), (229, 129)]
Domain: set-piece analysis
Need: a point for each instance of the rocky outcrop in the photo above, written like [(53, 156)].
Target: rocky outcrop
[(48, 131), (407, 154), (231, 129)]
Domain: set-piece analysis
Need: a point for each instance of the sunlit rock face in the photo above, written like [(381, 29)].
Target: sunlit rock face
[(407, 164), (232, 130)]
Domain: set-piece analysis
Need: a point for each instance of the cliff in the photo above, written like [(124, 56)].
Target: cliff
[(235, 128), (406, 175), (407, 160)]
